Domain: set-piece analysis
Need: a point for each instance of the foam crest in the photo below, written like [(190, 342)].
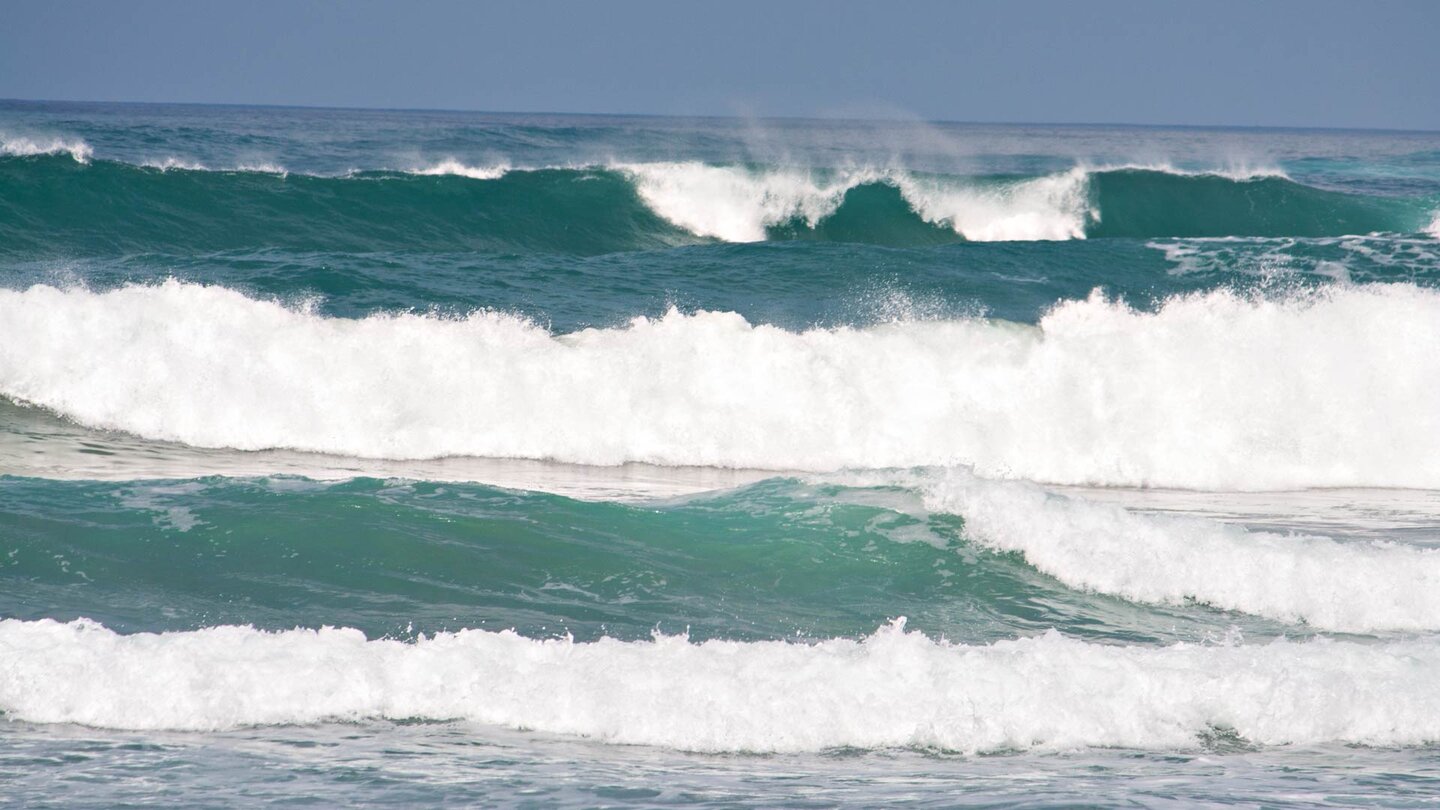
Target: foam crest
[(739, 205), (1238, 171), (733, 203), (893, 689), (1210, 391), (451, 166), (1157, 559), (1053, 207), (1433, 229), (262, 167), (168, 163), (19, 146)]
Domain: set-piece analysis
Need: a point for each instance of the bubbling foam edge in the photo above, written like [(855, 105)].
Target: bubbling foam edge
[(896, 688)]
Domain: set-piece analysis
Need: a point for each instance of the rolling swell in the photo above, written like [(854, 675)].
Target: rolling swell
[(1144, 203), (50, 203), (199, 561), (394, 557)]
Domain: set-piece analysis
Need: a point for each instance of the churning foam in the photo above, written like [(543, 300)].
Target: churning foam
[(737, 204), (733, 203), (895, 688), (1211, 391), (27, 147), (451, 166), (1052, 207), (1157, 559)]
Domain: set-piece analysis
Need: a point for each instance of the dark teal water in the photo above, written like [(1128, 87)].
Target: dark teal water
[(614, 450)]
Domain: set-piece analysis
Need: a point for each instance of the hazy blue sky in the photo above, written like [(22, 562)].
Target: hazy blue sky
[(1280, 63)]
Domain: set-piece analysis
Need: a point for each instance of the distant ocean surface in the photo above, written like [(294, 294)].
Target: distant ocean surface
[(421, 458)]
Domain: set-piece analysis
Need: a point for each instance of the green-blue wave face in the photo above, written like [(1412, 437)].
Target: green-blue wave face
[(54, 203), (774, 560)]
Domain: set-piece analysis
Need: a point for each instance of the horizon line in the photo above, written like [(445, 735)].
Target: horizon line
[(715, 117)]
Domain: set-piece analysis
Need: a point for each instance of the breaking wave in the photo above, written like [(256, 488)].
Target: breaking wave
[(1218, 390), (893, 689), (49, 202)]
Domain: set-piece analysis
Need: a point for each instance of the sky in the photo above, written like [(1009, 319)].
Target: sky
[(1307, 63)]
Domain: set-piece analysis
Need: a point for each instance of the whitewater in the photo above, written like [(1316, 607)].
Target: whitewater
[(892, 688), (1212, 391), (423, 456)]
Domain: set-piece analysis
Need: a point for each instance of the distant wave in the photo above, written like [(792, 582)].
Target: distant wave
[(739, 205), (1215, 390), (451, 205), (455, 167), (19, 146), (172, 163), (893, 689)]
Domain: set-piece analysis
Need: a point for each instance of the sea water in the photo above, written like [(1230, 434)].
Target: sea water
[(407, 457)]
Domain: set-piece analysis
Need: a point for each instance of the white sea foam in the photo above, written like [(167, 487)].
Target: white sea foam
[(1212, 391), (733, 203), (168, 163), (1343, 586), (738, 204), (451, 166), (262, 167), (892, 689), (1052, 207), (1239, 171), (20, 146), (1433, 229)]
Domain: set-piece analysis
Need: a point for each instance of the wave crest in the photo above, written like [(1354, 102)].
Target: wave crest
[(19, 146), (737, 204), (451, 166)]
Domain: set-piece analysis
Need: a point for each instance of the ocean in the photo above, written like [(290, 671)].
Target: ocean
[(440, 458)]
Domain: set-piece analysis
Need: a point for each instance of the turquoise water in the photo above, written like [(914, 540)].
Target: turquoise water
[(422, 458)]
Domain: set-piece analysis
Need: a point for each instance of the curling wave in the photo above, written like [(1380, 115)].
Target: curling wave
[(49, 202), (1157, 559)]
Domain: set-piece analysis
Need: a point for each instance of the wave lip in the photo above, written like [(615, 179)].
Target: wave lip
[(19, 146), (170, 163), (893, 689), (1209, 391), (737, 204), (451, 166)]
